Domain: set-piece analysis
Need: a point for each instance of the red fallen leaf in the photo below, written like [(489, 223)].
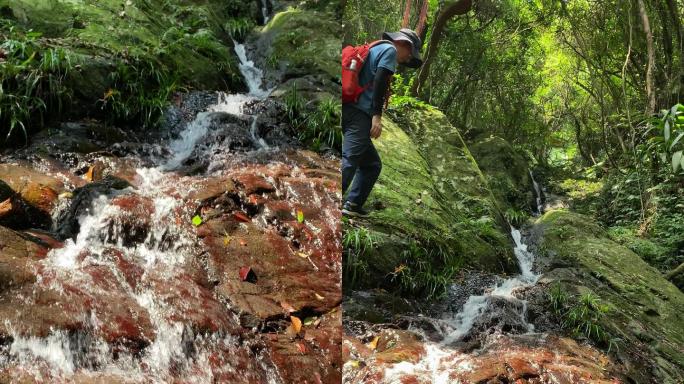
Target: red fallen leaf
[(248, 275), (239, 216), (302, 347)]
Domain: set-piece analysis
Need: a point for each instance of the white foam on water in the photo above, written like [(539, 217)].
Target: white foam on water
[(91, 224), (434, 365), (253, 75), (537, 194), (54, 350), (184, 145)]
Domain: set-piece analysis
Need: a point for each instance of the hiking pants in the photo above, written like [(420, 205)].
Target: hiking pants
[(360, 161)]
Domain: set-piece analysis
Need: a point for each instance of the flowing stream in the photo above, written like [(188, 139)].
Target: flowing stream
[(161, 256), (440, 360), (131, 283)]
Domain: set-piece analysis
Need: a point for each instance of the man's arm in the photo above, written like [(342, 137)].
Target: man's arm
[(380, 86)]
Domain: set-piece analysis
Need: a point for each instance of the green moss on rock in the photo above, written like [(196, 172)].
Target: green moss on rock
[(645, 313), (507, 172), (177, 40), (437, 212), (303, 42)]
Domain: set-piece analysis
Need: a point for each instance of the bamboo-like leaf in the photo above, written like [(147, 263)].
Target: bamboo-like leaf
[(676, 160), (666, 130), (675, 141)]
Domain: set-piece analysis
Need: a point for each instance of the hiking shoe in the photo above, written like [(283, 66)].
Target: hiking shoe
[(352, 210)]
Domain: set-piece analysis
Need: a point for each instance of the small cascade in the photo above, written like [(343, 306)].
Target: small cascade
[(135, 248), (265, 13), (440, 361), (463, 321), (538, 194)]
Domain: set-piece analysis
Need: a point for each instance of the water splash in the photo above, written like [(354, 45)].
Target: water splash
[(253, 75), (538, 193), (161, 255), (439, 360)]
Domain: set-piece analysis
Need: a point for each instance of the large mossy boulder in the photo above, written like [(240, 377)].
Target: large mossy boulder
[(507, 172), (644, 309), (302, 46), (150, 41), (434, 211)]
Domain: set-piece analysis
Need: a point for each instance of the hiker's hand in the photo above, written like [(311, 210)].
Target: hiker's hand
[(376, 127)]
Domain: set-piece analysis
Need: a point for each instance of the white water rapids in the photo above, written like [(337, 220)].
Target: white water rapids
[(165, 357), (462, 322)]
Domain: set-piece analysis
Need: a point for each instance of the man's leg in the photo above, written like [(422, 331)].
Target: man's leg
[(366, 176), (356, 128)]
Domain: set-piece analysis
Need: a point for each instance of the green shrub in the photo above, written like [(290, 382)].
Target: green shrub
[(317, 123), (357, 242), (31, 82), (581, 316)]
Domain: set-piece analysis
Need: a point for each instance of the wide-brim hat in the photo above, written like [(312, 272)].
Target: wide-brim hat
[(410, 36)]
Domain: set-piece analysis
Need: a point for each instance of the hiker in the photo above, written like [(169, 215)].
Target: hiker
[(365, 87)]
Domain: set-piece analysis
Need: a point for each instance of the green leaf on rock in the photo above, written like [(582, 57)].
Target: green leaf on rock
[(197, 220), (300, 216)]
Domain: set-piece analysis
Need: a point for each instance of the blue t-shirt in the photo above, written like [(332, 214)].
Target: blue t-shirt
[(380, 56)]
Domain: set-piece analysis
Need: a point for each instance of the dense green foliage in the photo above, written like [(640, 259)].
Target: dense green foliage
[(588, 90), (125, 58)]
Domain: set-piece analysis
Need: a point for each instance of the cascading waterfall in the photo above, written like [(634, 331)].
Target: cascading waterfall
[(264, 11), (538, 194), (431, 365), (174, 348)]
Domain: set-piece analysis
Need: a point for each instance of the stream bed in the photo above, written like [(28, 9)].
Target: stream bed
[(181, 257)]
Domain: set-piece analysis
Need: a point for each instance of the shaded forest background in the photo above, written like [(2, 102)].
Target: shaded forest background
[(588, 90)]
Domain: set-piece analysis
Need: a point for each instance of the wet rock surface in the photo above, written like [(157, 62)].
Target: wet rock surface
[(138, 266)]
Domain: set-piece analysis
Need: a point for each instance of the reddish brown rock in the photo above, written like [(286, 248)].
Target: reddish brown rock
[(505, 359), (38, 189), (192, 304), (395, 346), (313, 358), (17, 256)]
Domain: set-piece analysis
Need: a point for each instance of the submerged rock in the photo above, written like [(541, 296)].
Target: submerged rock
[(32, 196)]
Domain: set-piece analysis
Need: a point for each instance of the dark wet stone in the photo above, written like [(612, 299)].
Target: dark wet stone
[(67, 223)]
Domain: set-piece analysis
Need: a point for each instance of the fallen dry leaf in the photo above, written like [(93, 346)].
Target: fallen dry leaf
[(319, 297), (302, 347), (239, 216), (90, 174), (296, 324), (243, 242), (302, 255), (373, 343), (5, 207)]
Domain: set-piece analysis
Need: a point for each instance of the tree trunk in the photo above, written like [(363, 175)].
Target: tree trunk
[(677, 271), (407, 14), (674, 14), (451, 10), (650, 68), (422, 19)]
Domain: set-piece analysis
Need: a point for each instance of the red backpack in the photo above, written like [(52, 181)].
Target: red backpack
[(353, 59)]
